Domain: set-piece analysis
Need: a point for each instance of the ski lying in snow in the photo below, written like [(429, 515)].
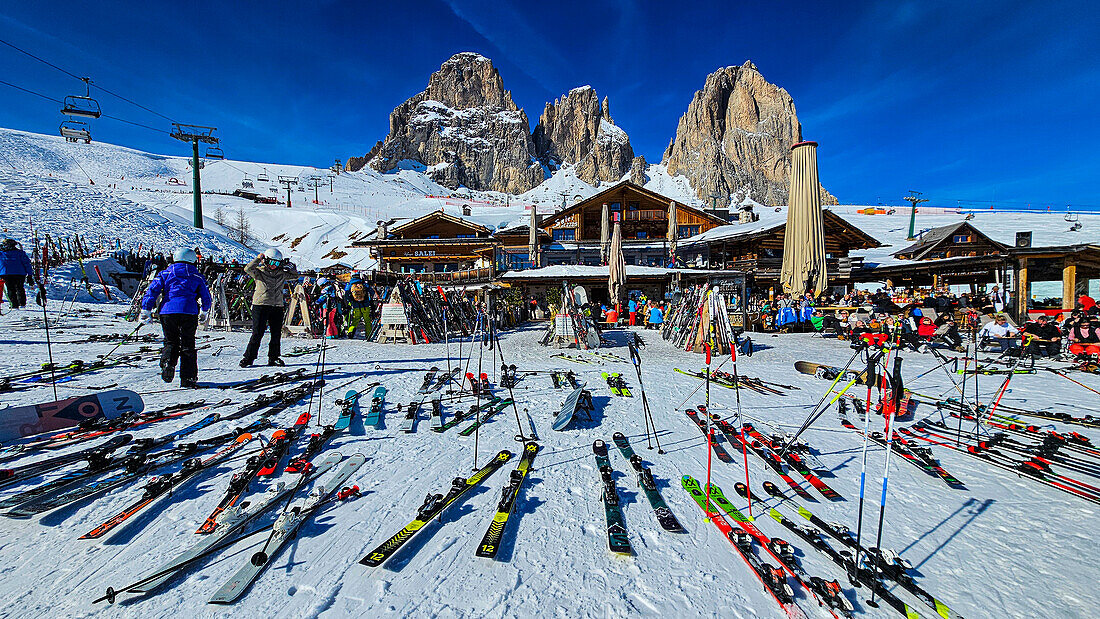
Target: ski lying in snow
[(285, 528), (795, 461), (779, 549), (134, 468), (377, 401), (907, 452), (773, 578), (719, 450), (19, 473), (163, 485), (490, 542), (230, 522), (815, 538), (473, 411), (889, 563), (408, 421), (238, 484), (429, 378), (445, 378), (573, 359), (664, 514), (488, 414), (616, 384), (568, 409), (433, 505), (437, 413), (102, 463), (617, 540), (765, 454)]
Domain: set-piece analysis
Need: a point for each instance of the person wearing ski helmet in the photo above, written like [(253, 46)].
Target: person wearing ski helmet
[(271, 272), (185, 303), (15, 271)]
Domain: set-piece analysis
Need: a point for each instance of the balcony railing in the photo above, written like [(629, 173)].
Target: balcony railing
[(649, 215)]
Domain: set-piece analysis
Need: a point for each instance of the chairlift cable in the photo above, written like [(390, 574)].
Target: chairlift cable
[(86, 82)]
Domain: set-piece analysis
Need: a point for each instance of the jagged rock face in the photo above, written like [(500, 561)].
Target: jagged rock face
[(578, 129), (637, 171), (737, 131), (464, 128)]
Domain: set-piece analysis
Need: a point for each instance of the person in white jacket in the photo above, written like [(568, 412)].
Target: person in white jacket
[(998, 330)]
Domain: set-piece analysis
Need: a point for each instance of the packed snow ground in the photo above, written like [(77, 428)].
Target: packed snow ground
[(1006, 547)]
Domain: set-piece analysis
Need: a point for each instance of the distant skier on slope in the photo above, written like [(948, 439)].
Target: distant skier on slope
[(16, 271), (271, 272), (183, 289)]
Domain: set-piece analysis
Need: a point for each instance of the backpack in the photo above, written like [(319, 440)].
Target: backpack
[(359, 291)]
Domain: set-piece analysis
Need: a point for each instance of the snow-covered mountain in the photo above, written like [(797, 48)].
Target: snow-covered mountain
[(100, 190)]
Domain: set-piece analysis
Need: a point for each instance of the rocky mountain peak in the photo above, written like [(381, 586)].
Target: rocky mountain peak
[(737, 132), (464, 129), (577, 129)]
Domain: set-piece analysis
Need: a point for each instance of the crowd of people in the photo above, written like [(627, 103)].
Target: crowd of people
[(940, 318)]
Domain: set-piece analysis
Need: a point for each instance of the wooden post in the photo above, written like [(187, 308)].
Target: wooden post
[(1022, 286), (1069, 283)]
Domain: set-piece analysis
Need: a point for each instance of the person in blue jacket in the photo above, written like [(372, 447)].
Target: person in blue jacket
[(186, 300), (16, 271)]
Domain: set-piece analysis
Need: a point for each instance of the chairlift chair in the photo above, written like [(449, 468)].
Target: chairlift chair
[(247, 183), (86, 106), (75, 130), (213, 152), (262, 176), (1072, 217)]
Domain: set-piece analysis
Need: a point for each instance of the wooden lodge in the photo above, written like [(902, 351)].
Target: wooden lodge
[(756, 248), (574, 232), (436, 243), (953, 241)]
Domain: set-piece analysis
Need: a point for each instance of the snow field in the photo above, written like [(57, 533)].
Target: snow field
[(1005, 547)]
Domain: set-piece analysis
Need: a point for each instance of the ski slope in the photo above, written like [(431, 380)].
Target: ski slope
[(1005, 547)]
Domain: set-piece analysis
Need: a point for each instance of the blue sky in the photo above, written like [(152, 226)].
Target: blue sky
[(972, 101)]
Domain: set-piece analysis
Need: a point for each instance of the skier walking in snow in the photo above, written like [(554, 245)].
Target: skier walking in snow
[(186, 302), (271, 272), (16, 271)]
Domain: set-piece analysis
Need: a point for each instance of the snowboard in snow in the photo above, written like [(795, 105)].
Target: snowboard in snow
[(827, 372), (568, 409), (22, 421)]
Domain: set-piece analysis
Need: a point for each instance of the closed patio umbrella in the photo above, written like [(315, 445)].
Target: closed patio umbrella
[(616, 269), (533, 239), (673, 232), (804, 238), (603, 233)]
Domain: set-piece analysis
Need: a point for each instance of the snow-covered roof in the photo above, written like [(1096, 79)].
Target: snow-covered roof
[(567, 271)]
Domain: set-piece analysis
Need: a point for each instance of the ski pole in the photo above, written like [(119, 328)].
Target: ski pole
[(740, 425), (872, 360), (885, 474), (49, 344)]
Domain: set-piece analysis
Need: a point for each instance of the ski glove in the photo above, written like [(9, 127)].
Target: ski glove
[(145, 317), (202, 316)]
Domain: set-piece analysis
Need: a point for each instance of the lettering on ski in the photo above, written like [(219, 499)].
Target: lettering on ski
[(433, 505), (490, 542)]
